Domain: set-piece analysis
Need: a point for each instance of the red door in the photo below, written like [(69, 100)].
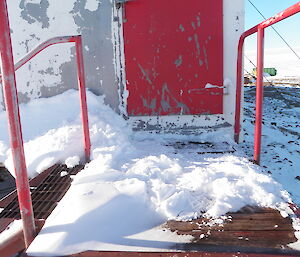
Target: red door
[(174, 57)]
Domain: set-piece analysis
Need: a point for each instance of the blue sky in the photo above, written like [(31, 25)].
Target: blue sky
[(289, 28)]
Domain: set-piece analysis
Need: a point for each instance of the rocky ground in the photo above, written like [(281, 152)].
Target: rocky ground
[(281, 133)]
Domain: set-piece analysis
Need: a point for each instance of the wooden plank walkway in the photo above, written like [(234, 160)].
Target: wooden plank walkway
[(250, 232), (250, 227)]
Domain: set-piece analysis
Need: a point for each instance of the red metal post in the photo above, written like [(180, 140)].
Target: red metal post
[(237, 126), (259, 94), (282, 15), (16, 141), (239, 82), (83, 103)]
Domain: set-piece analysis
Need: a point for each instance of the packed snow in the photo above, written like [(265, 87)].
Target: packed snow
[(11, 230), (135, 181)]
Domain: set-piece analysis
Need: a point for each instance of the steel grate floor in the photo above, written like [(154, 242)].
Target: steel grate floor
[(47, 194)]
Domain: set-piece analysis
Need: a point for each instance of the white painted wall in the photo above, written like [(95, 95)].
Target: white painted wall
[(53, 71), (234, 19)]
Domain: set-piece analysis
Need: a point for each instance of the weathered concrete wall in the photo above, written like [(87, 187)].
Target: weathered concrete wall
[(53, 71)]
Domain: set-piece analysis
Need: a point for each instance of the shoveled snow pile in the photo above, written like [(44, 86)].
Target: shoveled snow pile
[(135, 181)]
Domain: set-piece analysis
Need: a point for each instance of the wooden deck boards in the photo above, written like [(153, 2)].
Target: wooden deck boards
[(250, 227)]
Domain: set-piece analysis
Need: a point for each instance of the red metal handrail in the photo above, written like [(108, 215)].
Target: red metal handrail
[(80, 76), (15, 131), (41, 47), (11, 102), (259, 82)]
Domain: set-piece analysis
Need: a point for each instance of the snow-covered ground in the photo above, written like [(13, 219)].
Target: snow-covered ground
[(281, 133), (137, 181)]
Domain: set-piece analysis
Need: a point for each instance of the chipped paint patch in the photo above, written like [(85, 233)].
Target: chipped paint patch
[(205, 58), (145, 74), (196, 38), (198, 21), (151, 105), (181, 28), (178, 62)]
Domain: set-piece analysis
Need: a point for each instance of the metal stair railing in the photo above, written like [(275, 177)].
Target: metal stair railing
[(80, 76), (259, 29), (12, 109)]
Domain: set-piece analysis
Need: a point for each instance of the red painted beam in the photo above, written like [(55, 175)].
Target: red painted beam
[(15, 131), (292, 10), (239, 80), (259, 94)]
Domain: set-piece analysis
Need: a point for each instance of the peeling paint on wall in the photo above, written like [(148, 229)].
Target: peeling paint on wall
[(53, 71), (232, 30), (178, 62), (32, 23), (35, 11)]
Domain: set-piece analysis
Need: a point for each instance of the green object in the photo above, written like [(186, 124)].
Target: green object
[(270, 71)]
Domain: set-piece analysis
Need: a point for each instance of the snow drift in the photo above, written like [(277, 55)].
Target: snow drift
[(136, 179)]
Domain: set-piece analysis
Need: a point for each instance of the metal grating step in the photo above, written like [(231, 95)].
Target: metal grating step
[(47, 194)]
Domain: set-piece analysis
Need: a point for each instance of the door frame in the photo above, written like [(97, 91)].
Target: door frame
[(233, 27)]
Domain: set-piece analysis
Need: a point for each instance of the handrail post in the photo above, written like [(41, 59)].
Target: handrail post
[(259, 94), (292, 10), (15, 131), (239, 81), (82, 93)]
